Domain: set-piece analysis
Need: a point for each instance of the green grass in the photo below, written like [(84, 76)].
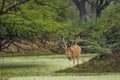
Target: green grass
[(42, 63), (101, 77), (45, 65)]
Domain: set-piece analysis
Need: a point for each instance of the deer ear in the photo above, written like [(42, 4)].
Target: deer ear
[(76, 39)]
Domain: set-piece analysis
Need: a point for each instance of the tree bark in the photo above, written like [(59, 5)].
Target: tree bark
[(81, 6)]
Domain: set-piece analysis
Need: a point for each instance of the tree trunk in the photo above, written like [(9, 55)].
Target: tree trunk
[(98, 12), (81, 6)]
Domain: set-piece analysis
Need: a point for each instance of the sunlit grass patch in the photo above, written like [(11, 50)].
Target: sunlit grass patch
[(44, 65), (101, 77)]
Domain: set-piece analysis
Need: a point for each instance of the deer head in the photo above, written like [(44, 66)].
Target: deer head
[(66, 49)]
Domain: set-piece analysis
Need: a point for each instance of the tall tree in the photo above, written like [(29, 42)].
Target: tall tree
[(81, 6), (99, 5)]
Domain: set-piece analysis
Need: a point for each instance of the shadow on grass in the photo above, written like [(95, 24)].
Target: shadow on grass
[(21, 65)]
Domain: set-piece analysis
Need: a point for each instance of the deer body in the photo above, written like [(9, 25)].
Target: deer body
[(72, 52)]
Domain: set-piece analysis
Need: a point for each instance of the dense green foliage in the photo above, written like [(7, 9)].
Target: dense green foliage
[(45, 21), (33, 19), (103, 34), (112, 33)]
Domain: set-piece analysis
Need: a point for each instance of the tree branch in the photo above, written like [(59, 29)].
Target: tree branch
[(2, 7), (93, 4), (4, 43), (105, 4), (46, 4), (8, 44), (18, 46), (13, 6)]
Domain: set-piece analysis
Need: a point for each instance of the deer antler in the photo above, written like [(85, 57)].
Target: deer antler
[(76, 39), (64, 44)]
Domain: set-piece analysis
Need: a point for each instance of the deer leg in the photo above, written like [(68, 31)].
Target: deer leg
[(73, 61), (70, 62), (77, 59)]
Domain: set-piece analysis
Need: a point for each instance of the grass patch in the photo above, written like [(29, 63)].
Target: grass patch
[(30, 53), (102, 77), (45, 65)]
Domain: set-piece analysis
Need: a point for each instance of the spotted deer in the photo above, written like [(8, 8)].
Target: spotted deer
[(72, 52)]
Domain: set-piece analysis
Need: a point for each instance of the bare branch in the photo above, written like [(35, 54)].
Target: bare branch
[(92, 3), (5, 44), (8, 44), (18, 46)]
